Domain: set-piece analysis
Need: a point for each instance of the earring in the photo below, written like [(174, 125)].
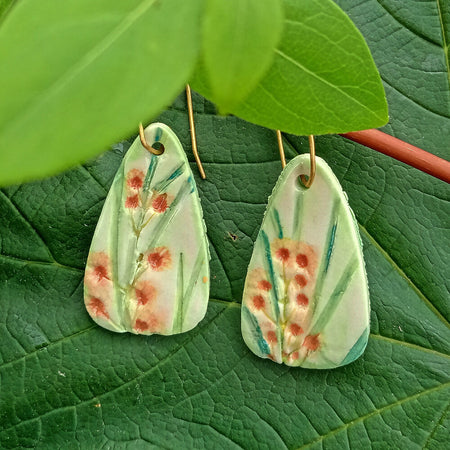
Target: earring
[(147, 271), (306, 299)]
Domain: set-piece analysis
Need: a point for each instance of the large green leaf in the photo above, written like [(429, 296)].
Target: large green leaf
[(70, 73), (322, 78), (66, 383)]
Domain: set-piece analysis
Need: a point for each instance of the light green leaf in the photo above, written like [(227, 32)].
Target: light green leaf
[(78, 74), (239, 37), (322, 79), (5, 5), (66, 383)]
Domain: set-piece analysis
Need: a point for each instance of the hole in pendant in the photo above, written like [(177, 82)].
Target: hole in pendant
[(158, 147), (300, 182)]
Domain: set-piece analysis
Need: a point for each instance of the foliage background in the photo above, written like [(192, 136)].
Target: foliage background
[(65, 380)]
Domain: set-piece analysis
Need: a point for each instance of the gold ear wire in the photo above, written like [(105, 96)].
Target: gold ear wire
[(312, 168), (155, 151), (281, 149), (160, 150), (193, 137), (307, 182)]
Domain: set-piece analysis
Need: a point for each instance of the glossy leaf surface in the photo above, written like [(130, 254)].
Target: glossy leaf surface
[(66, 380)]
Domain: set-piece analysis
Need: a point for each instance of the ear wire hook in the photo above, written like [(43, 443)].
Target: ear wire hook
[(160, 151), (144, 142), (193, 137), (307, 182), (312, 170)]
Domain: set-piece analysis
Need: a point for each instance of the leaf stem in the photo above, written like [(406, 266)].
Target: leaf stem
[(402, 151)]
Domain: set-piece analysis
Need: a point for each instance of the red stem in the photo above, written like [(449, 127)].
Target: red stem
[(402, 151)]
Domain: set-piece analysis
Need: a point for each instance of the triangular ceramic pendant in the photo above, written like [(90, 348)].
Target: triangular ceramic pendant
[(147, 270), (306, 299)]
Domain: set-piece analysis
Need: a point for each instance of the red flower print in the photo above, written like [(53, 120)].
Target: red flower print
[(145, 292), (140, 325), (295, 329), (98, 308), (258, 302), (311, 342), (272, 337), (302, 260), (295, 356), (301, 280), (97, 278), (132, 201), (135, 179), (282, 254), (159, 204), (100, 266), (160, 259), (151, 325), (264, 285), (100, 272), (302, 300)]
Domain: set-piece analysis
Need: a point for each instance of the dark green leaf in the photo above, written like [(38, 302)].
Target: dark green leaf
[(67, 383), (77, 75)]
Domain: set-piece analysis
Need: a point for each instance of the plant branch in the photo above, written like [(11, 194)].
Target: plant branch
[(402, 151)]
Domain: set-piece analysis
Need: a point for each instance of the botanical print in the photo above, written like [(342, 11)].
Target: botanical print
[(142, 274), (306, 299)]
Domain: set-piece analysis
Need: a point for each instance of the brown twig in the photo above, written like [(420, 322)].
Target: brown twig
[(402, 151)]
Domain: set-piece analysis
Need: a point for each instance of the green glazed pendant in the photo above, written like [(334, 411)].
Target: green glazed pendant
[(148, 266), (306, 298)]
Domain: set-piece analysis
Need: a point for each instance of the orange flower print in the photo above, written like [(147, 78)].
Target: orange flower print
[(258, 302), (295, 329), (152, 325), (140, 325), (159, 259), (282, 254), (159, 203), (283, 251), (97, 278), (132, 201), (301, 280), (145, 292), (272, 337), (98, 308), (264, 285), (302, 260), (302, 300), (311, 342), (135, 179), (99, 261)]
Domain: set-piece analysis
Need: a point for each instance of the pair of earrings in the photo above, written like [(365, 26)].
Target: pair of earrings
[(305, 299)]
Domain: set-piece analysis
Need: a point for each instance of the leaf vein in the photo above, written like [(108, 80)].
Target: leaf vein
[(377, 411), (326, 82), (438, 423), (403, 25), (405, 277), (414, 101), (125, 384)]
